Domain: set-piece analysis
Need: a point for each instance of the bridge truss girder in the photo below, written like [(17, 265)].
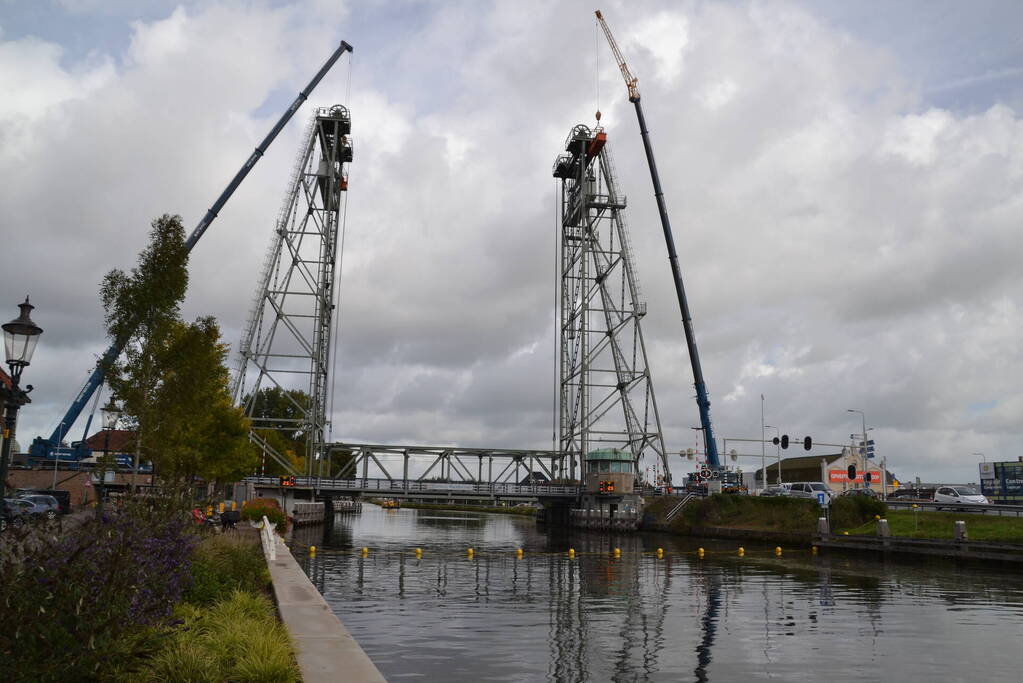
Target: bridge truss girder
[(447, 463)]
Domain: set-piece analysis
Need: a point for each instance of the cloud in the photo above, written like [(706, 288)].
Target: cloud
[(844, 243)]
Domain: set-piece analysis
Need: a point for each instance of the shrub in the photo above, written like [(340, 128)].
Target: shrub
[(852, 511), (224, 563), (71, 605), (256, 508)]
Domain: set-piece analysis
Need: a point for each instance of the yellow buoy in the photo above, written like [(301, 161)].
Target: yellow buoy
[(814, 550), (742, 551), (365, 552), (877, 517), (419, 553), (234, 506), (518, 553), (618, 552), (699, 552), (312, 551), (845, 533), (777, 550), (469, 552), (571, 552), (660, 553)]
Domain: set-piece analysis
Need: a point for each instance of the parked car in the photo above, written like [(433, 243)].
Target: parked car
[(868, 493), (959, 494), (63, 497), (809, 489), (13, 515), (46, 506), (780, 490)]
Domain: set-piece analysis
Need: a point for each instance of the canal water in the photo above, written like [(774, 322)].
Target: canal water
[(638, 617)]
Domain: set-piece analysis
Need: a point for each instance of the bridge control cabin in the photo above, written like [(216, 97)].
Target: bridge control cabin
[(609, 499)]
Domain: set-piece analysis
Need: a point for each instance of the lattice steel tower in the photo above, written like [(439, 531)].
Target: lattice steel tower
[(607, 397), (287, 339)]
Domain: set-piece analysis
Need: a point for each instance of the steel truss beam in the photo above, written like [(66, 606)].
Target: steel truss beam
[(287, 343), (447, 463), (606, 395)]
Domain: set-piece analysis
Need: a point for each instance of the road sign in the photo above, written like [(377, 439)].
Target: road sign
[(822, 499)]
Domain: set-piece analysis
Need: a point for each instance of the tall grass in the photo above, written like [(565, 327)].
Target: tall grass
[(237, 639), (224, 563)]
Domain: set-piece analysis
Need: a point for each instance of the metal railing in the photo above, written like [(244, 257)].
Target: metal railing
[(982, 508), (403, 486), (673, 512)]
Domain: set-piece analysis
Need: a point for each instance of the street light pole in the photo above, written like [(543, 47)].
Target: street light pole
[(111, 414), (777, 448), (56, 458), (20, 338), (763, 457), (983, 457)]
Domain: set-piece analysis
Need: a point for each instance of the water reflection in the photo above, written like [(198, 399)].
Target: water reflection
[(636, 618)]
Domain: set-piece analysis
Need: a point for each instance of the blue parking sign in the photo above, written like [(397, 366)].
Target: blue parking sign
[(822, 499)]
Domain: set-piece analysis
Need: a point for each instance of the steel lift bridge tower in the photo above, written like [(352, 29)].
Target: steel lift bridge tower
[(287, 342), (606, 394)]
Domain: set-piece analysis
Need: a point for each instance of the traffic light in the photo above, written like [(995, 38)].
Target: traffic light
[(601, 486), (776, 441), (288, 480), (610, 487), (807, 443), (852, 472), (784, 440), (867, 477)]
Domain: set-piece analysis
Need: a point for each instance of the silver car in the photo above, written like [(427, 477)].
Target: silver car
[(810, 489), (959, 494), (43, 505)]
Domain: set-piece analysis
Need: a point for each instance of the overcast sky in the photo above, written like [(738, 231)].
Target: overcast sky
[(844, 180)]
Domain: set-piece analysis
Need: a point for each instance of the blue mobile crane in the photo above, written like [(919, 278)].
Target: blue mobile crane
[(51, 449), (702, 400)]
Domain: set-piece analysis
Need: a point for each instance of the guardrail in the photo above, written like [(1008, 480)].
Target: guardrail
[(987, 509), (402, 486), (266, 537)]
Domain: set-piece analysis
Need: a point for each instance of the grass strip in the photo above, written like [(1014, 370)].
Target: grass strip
[(941, 525)]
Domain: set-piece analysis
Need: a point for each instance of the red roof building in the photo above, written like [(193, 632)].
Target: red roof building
[(121, 441)]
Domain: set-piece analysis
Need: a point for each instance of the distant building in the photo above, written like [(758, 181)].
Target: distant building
[(832, 469)]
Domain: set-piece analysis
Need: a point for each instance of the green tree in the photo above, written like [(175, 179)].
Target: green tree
[(141, 311), (277, 415), (171, 378), (199, 433)]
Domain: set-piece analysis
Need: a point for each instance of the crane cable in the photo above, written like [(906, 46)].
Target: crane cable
[(340, 271)]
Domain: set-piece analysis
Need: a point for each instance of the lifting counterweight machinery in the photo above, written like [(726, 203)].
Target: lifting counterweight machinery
[(51, 448), (702, 400)]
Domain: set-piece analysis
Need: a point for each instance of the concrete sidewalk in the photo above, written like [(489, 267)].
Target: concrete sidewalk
[(324, 648)]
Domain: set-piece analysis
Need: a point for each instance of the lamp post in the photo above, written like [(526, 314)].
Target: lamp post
[(20, 338), (982, 456), (863, 449), (777, 448), (111, 414)]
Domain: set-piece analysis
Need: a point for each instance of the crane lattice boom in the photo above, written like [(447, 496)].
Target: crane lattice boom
[(630, 80)]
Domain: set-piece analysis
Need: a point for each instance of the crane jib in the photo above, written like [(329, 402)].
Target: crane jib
[(41, 447)]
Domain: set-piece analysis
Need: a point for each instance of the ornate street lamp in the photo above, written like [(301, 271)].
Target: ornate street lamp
[(20, 338), (111, 413)]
